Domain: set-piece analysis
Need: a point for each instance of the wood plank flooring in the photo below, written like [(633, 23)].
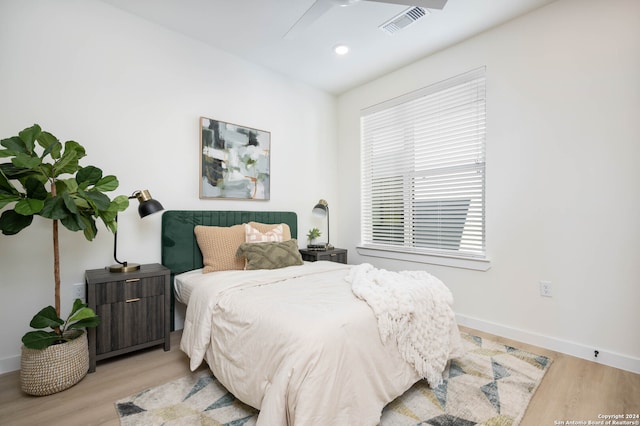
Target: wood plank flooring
[(573, 389)]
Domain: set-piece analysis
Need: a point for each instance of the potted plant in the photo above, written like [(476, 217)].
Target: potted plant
[(55, 360), (43, 177), (312, 235)]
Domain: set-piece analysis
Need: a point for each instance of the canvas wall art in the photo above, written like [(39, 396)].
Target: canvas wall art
[(235, 161)]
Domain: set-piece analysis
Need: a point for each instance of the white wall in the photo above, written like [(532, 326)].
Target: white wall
[(563, 183), (131, 93)]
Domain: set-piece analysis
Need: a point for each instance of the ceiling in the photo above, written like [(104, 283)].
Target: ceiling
[(255, 29)]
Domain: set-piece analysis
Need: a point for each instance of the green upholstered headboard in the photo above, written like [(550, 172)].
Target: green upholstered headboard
[(180, 252)]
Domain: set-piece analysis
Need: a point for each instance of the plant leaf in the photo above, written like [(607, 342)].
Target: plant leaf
[(40, 339), (72, 222), (81, 203), (29, 136), (7, 199), (98, 199), (87, 176), (51, 145), (11, 222), (26, 161), (4, 181), (28, 206), (71, 184), (46, 171), (121, 202), (109, 215), (107, 183), (83, 312), (77, 305), (93, 321), (15, 145), (111, 225), (46, 318), (35, 188), (90, 229), (76, 147), (12, 172), (54, 208), (69, 202), (68, 162)]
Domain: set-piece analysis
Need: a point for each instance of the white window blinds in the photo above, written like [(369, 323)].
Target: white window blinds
[(423, 170)]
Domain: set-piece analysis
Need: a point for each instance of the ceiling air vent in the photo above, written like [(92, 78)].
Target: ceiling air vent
[(403, 20)]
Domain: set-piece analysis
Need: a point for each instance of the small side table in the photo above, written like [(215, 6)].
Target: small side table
[(134, 310), (334, 255)]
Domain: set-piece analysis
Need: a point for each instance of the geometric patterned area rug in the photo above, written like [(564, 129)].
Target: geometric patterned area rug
[(490, 385)]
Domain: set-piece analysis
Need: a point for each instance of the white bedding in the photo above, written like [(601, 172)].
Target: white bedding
[(294, 343), (184, 284)]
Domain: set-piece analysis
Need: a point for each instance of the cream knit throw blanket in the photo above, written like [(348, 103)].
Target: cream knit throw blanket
[(414, 308)]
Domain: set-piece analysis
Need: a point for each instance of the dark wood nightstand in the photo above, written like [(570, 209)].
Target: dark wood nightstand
[(333, 255), (133, 307)]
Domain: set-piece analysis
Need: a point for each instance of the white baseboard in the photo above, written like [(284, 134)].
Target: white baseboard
[(612, 359), (10, 364)]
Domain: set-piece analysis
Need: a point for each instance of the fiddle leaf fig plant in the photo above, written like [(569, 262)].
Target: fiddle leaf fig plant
[(43, 177)]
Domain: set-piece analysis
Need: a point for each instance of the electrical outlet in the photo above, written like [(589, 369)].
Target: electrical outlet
[(78, 292), (545, 289)]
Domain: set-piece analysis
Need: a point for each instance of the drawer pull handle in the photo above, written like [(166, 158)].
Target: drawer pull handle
[(132, 300), (132, 280), (333, 255)]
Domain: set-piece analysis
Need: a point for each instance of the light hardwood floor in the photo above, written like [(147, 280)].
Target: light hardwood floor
[(572, 389)]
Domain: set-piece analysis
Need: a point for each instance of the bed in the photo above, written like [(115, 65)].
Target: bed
[(295, 342)]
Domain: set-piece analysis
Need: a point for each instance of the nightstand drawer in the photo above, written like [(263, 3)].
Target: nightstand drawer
[(333, 255), (129, 323), (134, 288), (340, 257)]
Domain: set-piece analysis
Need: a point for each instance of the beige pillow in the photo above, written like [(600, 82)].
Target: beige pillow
[(219, 246), (266, 227)]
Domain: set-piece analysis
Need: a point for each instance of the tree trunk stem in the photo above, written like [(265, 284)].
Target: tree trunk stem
[(56, 256), (56, 265)]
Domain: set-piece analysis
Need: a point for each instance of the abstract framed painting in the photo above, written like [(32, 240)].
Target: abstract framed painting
[(235, 161)]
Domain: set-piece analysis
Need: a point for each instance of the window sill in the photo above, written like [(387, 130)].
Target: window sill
[(442, 260)]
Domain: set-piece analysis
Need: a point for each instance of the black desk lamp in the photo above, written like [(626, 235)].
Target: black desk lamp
[(147, 206), (322, 209)]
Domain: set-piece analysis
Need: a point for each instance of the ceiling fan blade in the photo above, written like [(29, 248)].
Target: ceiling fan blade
[(317, 9), (427, 4)]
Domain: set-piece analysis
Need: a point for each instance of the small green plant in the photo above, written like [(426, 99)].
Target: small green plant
[(313, 234), (81, 316)]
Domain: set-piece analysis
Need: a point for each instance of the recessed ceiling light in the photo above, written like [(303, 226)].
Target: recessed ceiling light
[(344, 3), (341, 49)]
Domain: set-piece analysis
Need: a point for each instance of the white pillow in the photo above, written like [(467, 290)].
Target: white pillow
[(274, 235)]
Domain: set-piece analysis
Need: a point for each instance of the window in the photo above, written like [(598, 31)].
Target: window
[(423, 164)]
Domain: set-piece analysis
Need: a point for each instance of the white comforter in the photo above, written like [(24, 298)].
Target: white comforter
[(296, 344)]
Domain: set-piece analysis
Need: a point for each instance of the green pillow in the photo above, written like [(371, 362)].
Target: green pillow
[(273, 255)]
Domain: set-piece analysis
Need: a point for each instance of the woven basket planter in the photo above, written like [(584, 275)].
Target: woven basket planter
[(54, 369)]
